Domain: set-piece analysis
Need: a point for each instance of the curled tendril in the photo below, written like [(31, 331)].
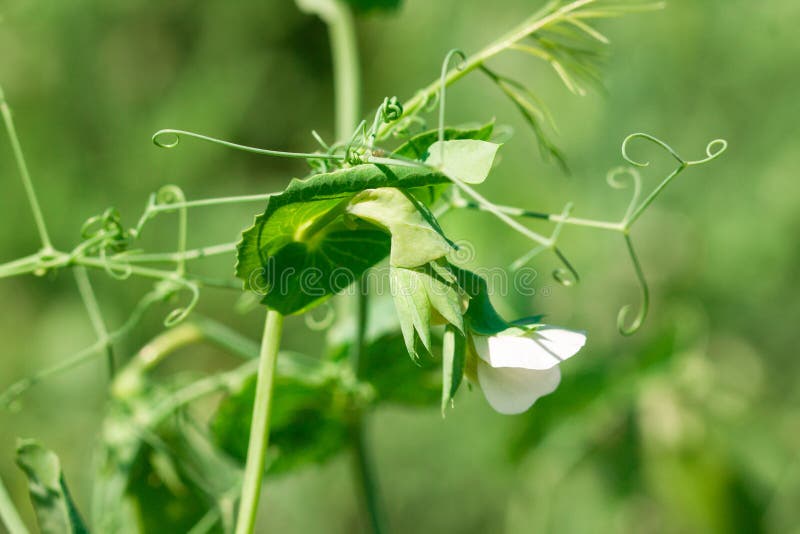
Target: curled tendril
[(172, 194), (391, 109), (169, 288), (353, 153), (714, 149), (169, 194), (443, 87), (567, 276), (323, 323), (636, 324), (653, 140), (170, 138), (634, 178), (105, 234)]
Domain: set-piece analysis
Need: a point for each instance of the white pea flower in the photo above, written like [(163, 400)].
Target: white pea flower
[(516, 367)]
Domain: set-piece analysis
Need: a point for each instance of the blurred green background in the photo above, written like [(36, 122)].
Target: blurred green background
[(692, 425)]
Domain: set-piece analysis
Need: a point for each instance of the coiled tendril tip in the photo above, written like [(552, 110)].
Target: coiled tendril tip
[(173, 135)]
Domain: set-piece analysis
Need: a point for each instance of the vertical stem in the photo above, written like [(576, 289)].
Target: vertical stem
[(346, 70), (362, 461), (259, 429), (366, 478), (24, 174), (9, 514), (95, 316)]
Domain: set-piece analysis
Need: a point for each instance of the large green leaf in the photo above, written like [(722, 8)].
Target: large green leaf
[(55, 511), (305, 247)]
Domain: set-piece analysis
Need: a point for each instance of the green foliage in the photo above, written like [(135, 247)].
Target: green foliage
[(168, 471), (304, 228), (308, 423), (393, 377), (55, 511)]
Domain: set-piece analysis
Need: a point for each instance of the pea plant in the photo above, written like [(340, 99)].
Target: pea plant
[(372, 197)]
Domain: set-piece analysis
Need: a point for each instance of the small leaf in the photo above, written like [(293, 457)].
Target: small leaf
[(453, 358), (466, 160), (413, 308), (419, 295), (55, 511), (445, 296)]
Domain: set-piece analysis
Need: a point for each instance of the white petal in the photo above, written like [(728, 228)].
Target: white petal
[(512, 391), (542, 349)]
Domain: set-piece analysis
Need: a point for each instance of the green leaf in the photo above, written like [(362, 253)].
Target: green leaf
[(305, 247), (417, 147), (384, 364), (307, 422), (413, 308), (467, 160), (445, 296), (55, 511), (453, 358), (396, 379), (414, 240)]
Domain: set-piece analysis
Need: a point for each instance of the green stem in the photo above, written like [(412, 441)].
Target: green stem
[(95, 315), (191, 254), (553, 217), (346, 70), (9, 514), (362, 462), (366, 478), (259, 429), (24, 174)]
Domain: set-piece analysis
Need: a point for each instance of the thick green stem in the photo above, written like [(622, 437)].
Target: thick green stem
[(346, 70), (9, 514), (24, 174), (259, 429)]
